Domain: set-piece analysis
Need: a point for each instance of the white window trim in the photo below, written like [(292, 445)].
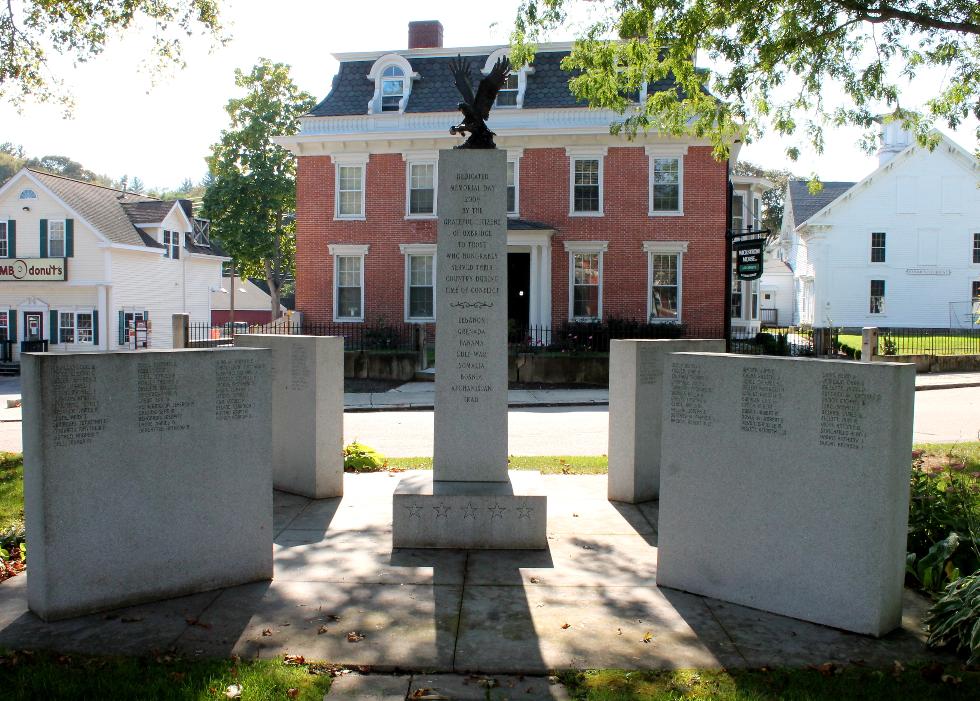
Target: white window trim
[(522, 73), (652, 248), (514, 156), (6, 239), (347, 160), (573, 247), (741, 216), (337, 251), (870, 240), (6, 324), (75, 311), (419, 249), (64, 237), (376, 73), (973, 235), (421, 158), (884, 300), (666, 151), (586, 153), (27, 194)]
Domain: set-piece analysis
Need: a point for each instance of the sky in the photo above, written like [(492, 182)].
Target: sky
[(126, 122)]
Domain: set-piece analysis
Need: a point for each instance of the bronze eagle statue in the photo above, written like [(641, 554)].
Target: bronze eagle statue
[(476, 110)]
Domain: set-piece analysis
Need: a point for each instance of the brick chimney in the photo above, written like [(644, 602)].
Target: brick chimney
[(426, 34)]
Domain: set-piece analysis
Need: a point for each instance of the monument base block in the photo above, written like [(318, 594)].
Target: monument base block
[(511, 515)]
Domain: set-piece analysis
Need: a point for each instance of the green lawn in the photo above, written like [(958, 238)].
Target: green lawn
[(51, 676), (920, 345), (11, 489), (828, 682), (547, 464)]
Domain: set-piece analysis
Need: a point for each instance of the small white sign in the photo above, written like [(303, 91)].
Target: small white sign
[(928, 271)]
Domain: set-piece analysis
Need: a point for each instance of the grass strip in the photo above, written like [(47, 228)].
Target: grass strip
[(828, 681), (11, 489), (546, 464), (47, 675)]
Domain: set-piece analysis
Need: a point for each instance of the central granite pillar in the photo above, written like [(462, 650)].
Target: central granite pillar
[(471, 500)]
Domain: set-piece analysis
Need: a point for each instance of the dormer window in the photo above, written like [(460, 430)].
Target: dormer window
[(392, 88), (393, 77), (507, 97), (512, 93), (27, 194)]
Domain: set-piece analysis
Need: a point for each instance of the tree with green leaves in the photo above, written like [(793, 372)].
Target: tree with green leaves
[(773, 201), (30, 30), (777, 65), (251, 189)]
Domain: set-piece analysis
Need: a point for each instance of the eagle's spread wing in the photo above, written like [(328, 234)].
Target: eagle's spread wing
[(461, 76), (490, 86)]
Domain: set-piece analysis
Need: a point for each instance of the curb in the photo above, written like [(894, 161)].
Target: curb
[(430, 407), (951, 385)]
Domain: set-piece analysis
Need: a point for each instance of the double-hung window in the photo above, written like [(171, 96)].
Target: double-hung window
[(511, 187), (736, 301), (975, 290), (392, 88), (75, 327), (348, 281), (585, 184), (976, 248), (666, 195), (877, 246), (4, 245), (419, 281), (171, 244), (4, 325), (877, 301), (738, 213), (664, 279), (56, 239), (756, 214), (421, 189), (349, 192), (507, 97), (585, 279)]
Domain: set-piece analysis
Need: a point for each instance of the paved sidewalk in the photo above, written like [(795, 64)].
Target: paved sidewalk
[(946, 380), (588, 601)]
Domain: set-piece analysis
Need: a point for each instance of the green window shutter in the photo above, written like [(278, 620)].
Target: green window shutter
[(69, 238), (95, 327), (146, 315), (12, 320), (44, 238), (11, 239), (122, 328), (53, 331)]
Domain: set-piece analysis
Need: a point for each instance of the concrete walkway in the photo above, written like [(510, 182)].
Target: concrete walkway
[(341, 595)]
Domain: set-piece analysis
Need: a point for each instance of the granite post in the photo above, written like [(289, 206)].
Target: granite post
[(869, 343), (636, 370), (784, 485), (180, 330), (307, 412), (146, 476), (470, 500)]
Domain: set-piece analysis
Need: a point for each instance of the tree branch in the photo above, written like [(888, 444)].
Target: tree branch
[(883, 13)]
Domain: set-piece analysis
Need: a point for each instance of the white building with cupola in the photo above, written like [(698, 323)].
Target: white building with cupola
[(87, 268), (899, 248)]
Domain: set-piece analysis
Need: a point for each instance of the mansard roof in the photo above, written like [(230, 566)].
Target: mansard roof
[(433, 90)]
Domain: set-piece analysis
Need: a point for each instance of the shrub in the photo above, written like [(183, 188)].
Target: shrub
[(361, 458), (944, 523), (954, 620)]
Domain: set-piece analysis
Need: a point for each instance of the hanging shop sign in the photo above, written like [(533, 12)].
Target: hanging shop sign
[(748, 258), (32, 269)]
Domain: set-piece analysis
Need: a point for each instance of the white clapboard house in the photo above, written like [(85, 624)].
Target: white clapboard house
[(79, 262), (899, 248)]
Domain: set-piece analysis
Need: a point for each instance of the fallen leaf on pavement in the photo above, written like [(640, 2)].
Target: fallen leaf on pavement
[(566, 626), (321, 630), (647, 637), (534, 580), (354, 637), (266, 633)]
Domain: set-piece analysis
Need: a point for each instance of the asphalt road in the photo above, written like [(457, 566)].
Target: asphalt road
[(941, 416)]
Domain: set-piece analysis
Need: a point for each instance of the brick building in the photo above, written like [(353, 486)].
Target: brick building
[(599, 226)]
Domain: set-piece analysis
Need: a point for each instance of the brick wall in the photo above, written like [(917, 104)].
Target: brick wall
[(544, 197)]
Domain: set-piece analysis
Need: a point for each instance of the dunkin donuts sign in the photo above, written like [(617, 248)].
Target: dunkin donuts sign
[(32, 269)]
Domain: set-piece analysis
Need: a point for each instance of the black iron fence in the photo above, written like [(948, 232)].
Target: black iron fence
[(581, 337), (928, 341), (357, 336)]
